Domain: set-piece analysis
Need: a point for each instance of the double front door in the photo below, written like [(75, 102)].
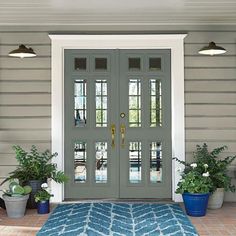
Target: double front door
[(117, 129)]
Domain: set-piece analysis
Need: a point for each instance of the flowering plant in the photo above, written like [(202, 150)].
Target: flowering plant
[(195, 179), (217, 166), (43, 194)]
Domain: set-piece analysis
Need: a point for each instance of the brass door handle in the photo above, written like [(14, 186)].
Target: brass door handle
[(122, 131), (113, 132)]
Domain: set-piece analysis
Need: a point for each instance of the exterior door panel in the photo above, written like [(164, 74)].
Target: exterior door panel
[(117, 124)]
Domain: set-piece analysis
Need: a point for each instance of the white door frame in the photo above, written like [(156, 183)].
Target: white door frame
[(174, 42)]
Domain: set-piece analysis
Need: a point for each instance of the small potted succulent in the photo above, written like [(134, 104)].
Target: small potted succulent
[(15, 199), (42, 198)]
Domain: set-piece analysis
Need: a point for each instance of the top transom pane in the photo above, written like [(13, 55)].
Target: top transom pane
[(134, 63), (154, 63)]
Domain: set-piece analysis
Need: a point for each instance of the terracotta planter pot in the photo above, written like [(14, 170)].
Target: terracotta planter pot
[(216, 199)]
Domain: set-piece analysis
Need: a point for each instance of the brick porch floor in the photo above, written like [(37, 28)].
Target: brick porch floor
[(220, 222)]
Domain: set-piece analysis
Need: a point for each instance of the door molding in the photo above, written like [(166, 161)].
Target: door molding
[(174, 42)]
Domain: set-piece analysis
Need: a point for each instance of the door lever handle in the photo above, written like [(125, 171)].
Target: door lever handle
[(122, 131), (113, 132)]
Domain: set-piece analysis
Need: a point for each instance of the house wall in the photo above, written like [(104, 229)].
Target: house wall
[(25, 84)]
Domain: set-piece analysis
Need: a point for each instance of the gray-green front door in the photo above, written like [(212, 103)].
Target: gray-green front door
[(117, 130)]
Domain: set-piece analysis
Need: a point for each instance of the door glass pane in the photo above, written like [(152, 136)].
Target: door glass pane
[(80, 106), (80, 156), (101, 103), (100, 63), (101, 162), (135, 103), (155, 162), (80, 63), (135, 162), (154, 63), (134, 64), (155, 103)]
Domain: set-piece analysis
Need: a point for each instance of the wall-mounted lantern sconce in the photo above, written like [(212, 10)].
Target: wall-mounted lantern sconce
[(22, 52), (212, 49)]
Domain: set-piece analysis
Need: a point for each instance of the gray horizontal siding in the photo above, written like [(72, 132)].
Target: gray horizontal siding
[(25, 85), (213, 73), (25, 74), (25, 96), (210, 110), (210, 95)]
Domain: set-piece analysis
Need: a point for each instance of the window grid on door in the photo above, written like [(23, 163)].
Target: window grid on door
[(101, 162), (155, 103), (135, 162), (80, 159), (80, 103), (101, 103), (155, 162), (135, 103)]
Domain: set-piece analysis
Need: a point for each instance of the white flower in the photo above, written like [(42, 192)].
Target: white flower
[(205, 165), (206, 174), (193, 165), (44, 185)]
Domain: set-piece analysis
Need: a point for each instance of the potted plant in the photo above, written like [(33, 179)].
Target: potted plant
[(195, 186), (218, 170), (35, 168), (42, 198), (15, 199)]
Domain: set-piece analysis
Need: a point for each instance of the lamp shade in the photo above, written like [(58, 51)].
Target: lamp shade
[(22, 52), (212, 49)]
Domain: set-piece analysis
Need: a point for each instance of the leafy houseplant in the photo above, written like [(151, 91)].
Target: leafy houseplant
[(195, 187), (218, 170), (42, 198), (35, 168), (217, 167), (34, 165), (15, 199)]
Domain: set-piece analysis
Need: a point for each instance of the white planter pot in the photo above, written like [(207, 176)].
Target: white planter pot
[(216, 199), (15, 205)]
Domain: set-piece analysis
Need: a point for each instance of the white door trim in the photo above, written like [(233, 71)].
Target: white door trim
[(174, 42)]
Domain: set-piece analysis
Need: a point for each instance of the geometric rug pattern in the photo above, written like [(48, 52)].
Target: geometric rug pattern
[(116, 219)]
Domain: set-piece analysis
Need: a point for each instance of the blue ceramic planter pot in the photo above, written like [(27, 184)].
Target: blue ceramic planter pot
[(196, 203), (43, 207)]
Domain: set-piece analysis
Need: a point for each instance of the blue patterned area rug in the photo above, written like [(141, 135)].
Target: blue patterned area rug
[(116, 219)]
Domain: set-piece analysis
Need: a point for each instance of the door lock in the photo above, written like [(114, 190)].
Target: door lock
[(122, 115)]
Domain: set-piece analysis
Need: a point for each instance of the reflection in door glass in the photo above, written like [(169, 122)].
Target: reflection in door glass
[(80, 108), (155, 103), (101, 103), (80, 156), (101, 162), (135, 103), (155, 162), (135, 162)]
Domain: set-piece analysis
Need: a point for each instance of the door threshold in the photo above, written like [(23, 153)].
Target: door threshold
[(125, 200)]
